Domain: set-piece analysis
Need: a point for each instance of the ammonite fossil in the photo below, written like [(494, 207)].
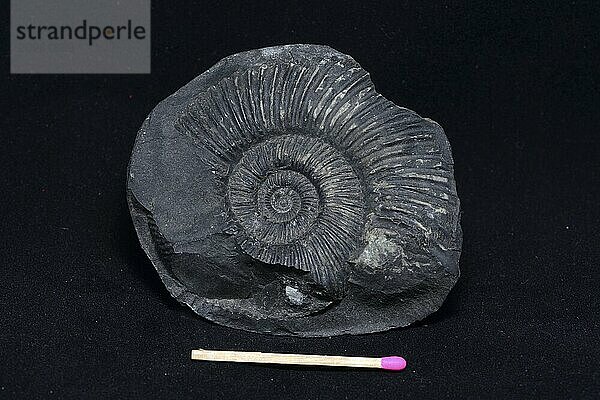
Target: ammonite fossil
[(278, 192)]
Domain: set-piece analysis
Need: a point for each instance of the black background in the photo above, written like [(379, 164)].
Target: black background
[(84, 315)]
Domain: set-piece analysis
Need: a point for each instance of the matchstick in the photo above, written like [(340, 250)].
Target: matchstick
[(392, 363)]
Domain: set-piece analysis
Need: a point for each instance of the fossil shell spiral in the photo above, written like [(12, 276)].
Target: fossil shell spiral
[(278, 192)]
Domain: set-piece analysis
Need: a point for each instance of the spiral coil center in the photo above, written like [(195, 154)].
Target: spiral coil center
[(294, 197), (287, 195), (284, 199)]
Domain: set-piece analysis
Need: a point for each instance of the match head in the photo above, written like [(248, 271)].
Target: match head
[(393, 363)]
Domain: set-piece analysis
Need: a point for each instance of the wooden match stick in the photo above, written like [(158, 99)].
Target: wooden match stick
[(392, 363)]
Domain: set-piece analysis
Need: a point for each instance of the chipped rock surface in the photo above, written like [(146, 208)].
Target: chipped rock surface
[(278, 192)]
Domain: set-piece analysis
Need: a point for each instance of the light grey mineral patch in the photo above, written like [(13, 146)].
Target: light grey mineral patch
[(279, 192)]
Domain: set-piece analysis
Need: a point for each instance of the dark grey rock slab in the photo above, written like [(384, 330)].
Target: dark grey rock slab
[(278, 192)]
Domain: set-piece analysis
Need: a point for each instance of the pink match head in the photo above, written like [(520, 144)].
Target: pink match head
[(393, 363)]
